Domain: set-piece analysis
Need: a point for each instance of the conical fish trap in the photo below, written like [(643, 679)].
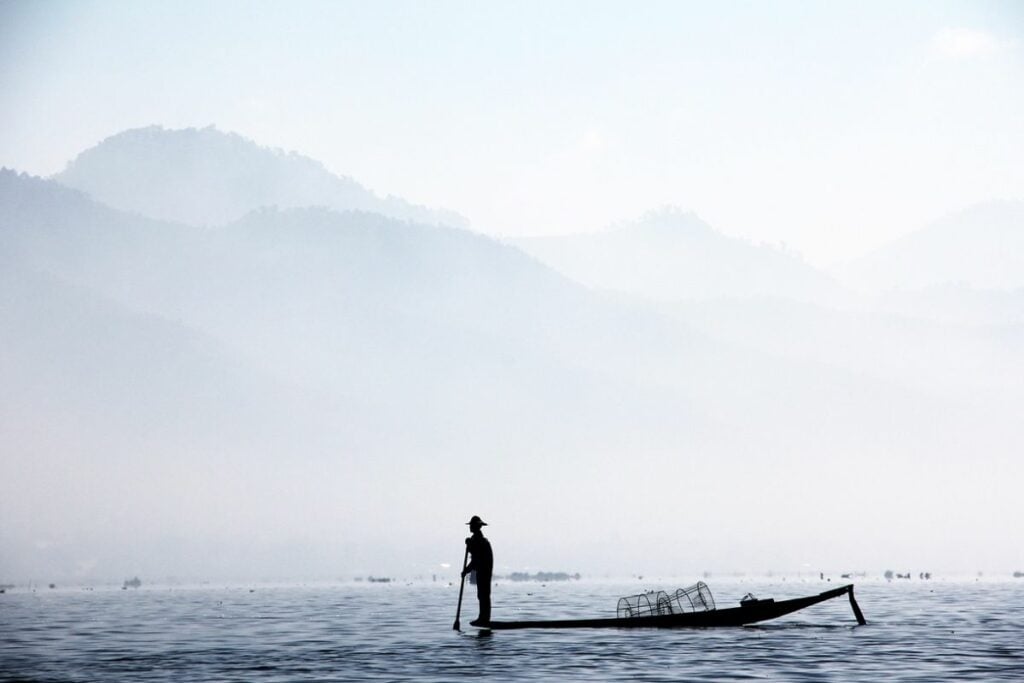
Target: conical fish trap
[(696, 598)]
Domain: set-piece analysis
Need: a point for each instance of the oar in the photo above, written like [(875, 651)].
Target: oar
[(856, 609), (462, 585)]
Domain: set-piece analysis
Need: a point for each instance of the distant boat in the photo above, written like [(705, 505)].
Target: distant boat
[(689, 608)]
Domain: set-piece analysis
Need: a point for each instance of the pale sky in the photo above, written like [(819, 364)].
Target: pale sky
[(832, 127)]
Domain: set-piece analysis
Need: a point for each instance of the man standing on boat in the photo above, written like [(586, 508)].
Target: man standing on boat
[(483, 564)]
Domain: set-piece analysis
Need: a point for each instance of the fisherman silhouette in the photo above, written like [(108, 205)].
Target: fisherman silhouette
[(483, 564)]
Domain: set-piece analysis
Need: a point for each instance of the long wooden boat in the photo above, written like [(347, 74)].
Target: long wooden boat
[(750, 612)]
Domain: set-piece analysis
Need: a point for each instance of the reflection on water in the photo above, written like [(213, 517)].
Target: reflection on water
[(934, 631)]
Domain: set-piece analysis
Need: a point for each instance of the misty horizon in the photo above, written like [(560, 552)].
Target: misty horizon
[(292, 295), (704, 318)]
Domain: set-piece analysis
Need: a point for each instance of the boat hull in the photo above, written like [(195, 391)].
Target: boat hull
[(762, 610)]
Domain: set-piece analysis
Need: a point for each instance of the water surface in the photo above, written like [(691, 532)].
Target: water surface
[(916, 631)]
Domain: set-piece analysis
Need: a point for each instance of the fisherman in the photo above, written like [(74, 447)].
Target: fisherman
[(483, 564)]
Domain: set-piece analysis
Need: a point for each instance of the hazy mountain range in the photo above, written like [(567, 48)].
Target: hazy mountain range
[(209, 344), (672, 255), (968, 267), (980, 247), (208, 177)]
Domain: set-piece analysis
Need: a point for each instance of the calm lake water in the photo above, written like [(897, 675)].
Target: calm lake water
[(917, 631)]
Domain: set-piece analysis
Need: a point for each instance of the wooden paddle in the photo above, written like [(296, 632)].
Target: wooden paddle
[(856, 609), (462, 585)]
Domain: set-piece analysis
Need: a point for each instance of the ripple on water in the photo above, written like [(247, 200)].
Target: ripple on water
[(916, 632)]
